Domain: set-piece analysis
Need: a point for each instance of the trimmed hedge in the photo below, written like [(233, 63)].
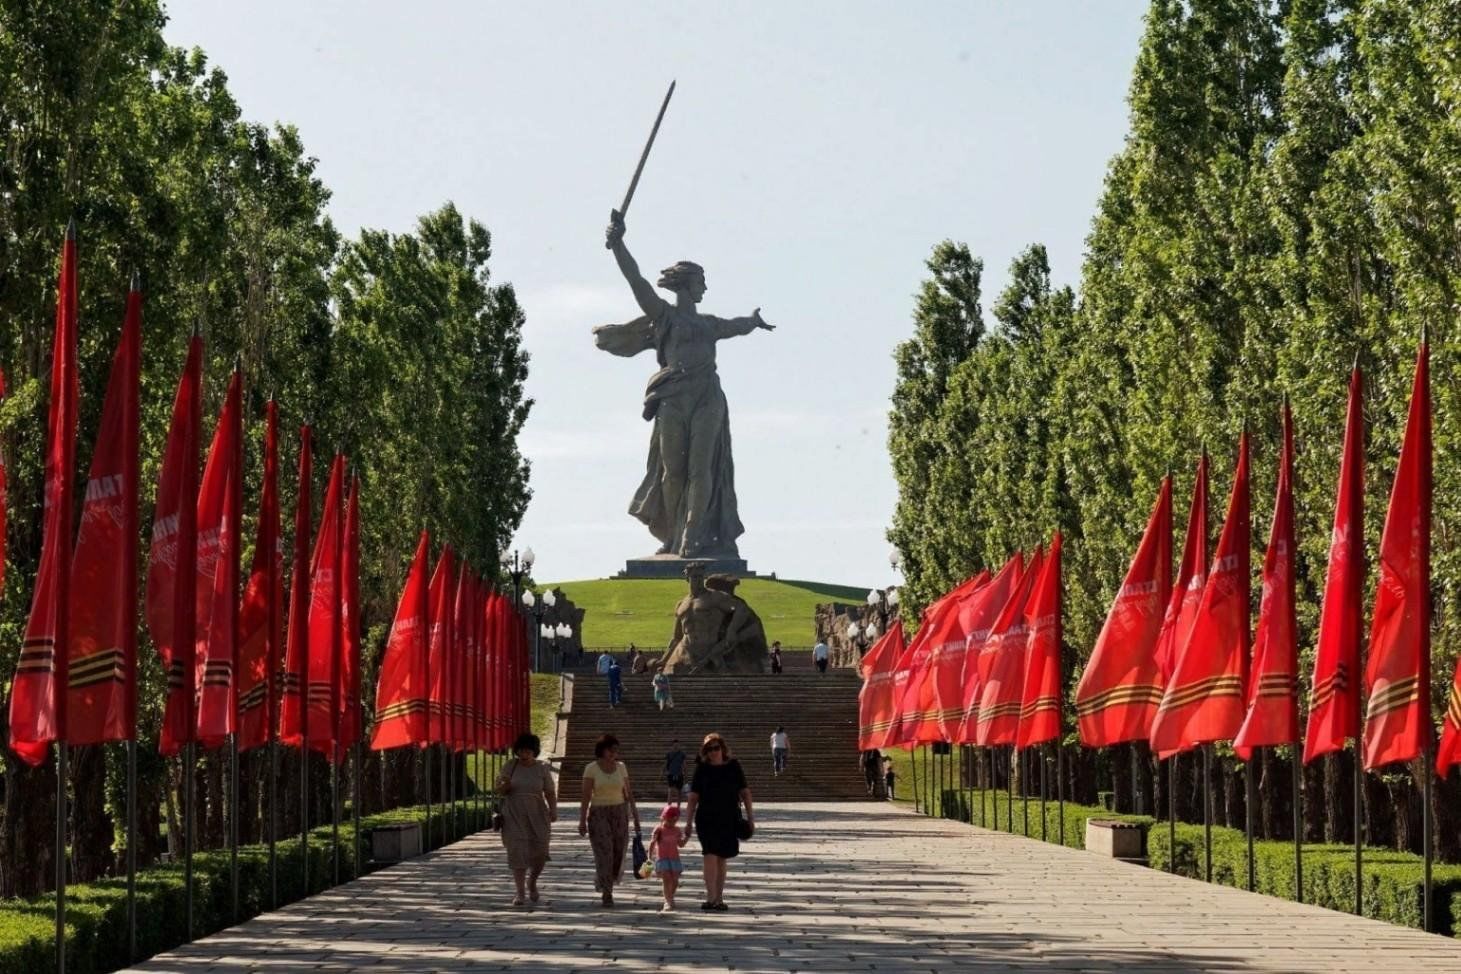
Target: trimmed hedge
[(1394, 881), (965, 806), (96, 913)]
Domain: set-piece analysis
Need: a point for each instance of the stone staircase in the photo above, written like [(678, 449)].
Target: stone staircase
[(818, 711)]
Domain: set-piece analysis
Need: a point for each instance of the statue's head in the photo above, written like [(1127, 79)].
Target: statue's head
[(695, 575), (684, 276)]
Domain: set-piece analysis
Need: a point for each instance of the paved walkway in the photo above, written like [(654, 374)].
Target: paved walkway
[(822, 888)]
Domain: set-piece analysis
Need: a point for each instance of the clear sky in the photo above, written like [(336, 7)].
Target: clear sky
[(812, 156)]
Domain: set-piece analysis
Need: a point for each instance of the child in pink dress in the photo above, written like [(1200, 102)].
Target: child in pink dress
[(665, 843)]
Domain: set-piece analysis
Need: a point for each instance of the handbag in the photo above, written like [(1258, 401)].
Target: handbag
[(640, 855), (744, 828)]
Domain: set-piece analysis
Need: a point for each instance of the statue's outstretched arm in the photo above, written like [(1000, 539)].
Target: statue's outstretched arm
[(649, 302), (731, 327)]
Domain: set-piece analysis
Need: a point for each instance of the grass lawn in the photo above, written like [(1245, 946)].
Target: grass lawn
[(621, 611)]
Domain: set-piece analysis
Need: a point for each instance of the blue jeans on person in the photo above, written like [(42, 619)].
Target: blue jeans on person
[(616, 692), (778, 759)]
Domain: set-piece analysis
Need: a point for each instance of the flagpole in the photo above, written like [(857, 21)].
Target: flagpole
[(304, 782), (273, 816), (1009, 784), (1426, 826), (1025, 788), (1248, 814), (1171, 814), (1136, 802), (981, 781), (426, 776), (188, 834), (335, 807), (355, 808), (1060, 785), (1298, 826), (233, 818), (1207, 811), (60, 843), (132, 845), (1359, 812)]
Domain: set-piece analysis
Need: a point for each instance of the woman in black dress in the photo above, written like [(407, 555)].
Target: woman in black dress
[(716, 792)]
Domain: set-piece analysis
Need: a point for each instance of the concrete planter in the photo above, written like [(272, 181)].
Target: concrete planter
[(1118, 840), (393, 843)]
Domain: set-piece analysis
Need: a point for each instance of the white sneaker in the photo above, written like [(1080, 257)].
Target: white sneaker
[(667, 908)]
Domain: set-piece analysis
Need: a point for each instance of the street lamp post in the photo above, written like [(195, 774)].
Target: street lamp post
[(517, 566), (539, 607), (562, 631)]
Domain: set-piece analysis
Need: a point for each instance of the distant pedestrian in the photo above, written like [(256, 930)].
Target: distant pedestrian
[(616, 683), (776, 657), (675, 771), (820, 653), (717, 792), (604, 812), (888, 776), (662, 695), (664, 852), (631, 656), (780, 748), (529, 807), (872, 767), (604, 662)]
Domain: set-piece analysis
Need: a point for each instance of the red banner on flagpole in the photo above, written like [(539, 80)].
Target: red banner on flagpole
[(293, 713), (1398, 671), (1273, 683), (1191, 579), (1040, 700), (350, 729), (37, 695), (219, 501), (1450, 749), (939, 650), (1002, 665), (400, 692), (443, 587), (172, 559), (323, 694), (102, 665), (1334, 700), (876, 703), (1121, 687), (3, 493), (1204, 698), (259, 616)]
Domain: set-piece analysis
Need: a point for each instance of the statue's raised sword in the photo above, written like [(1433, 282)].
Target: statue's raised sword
[(634, 183)]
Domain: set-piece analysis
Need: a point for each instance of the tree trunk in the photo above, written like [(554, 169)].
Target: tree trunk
[(1337, 801), (28, 832), (91, 832), (1266, 785)]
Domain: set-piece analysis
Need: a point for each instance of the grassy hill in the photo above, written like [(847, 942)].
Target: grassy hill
[(642, 610)]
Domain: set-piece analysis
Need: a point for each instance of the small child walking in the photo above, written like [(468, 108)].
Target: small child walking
[(665, 843), (662, 691)]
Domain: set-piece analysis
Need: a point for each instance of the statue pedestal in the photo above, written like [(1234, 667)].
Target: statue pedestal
[(673, 566)]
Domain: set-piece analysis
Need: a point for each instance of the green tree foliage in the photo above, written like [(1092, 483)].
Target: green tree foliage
[(399, 350), (1286, 200)]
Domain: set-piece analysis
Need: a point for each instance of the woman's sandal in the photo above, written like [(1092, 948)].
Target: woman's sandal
[(517, 901)]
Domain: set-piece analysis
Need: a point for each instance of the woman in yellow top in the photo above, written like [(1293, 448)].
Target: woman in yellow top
[(606, 788)]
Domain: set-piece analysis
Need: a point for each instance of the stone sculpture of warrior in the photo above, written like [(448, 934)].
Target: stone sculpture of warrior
[(688, 496)]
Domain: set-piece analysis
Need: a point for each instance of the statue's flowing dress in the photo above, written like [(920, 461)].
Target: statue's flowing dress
[(690, 396)]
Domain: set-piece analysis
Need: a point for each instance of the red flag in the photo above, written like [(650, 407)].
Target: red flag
[(1002, 665), (1191, 578), (219, 524), (1040, 701), (479, 667), (293, 714), (349, 710), (493, 650), (1398, 672), (171, 578), (875, 701), (1203, 701), (37, 710), (457, 672), (442, 589), (1450, 750), (939, 646), (977, 615), (917, 711), (1119, 691), (102, 668), (1273, 683), (259, 616), (400, 693), (323, 694), (1334, 701)]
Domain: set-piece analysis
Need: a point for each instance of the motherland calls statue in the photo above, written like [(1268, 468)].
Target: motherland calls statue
[(688, 496), (715, 630)]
